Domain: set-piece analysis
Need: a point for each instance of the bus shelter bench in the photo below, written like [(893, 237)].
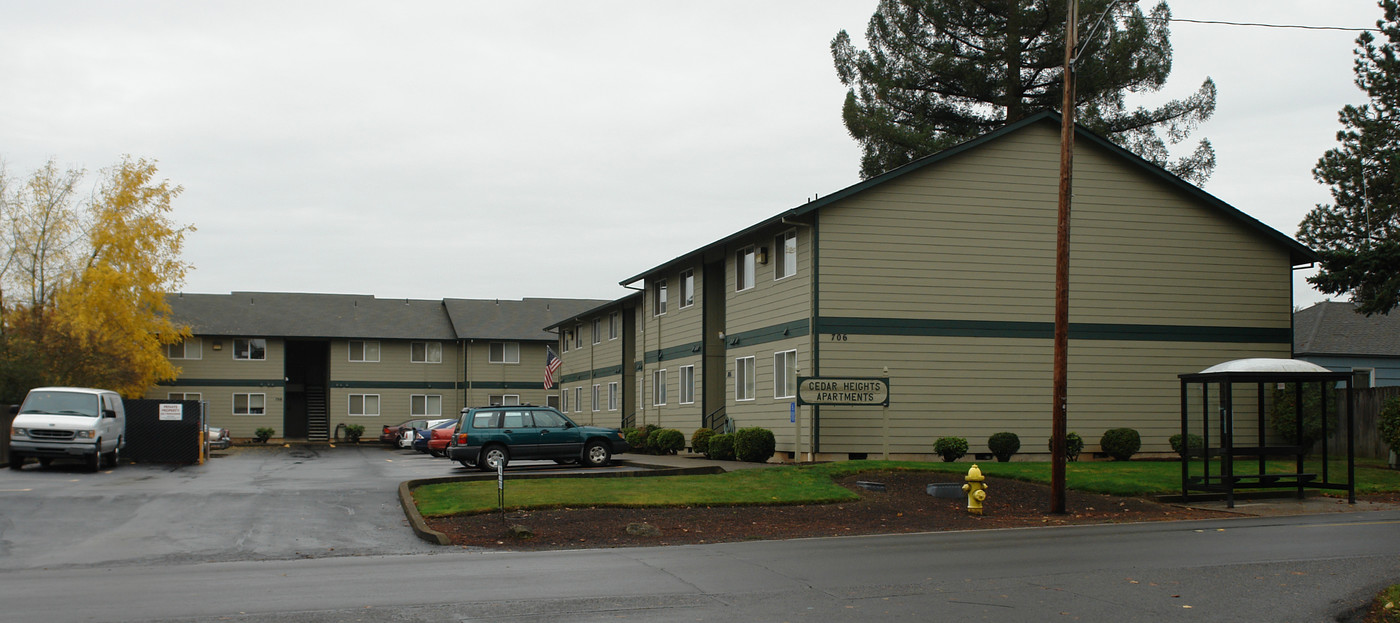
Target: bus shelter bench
[(1245, 481)]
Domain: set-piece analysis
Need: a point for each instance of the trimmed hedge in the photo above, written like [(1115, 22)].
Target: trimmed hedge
[(666, 441), (1003, 445), (754, 445), (1074, 444), (1120, 443), (1194, 445), (950, 448), (700, 440), (721, 447)]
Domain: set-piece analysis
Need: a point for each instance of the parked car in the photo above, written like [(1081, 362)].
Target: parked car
[(491, 436), (419, 441), (392, 434), (217, 438), (69, 422), (440, 438)]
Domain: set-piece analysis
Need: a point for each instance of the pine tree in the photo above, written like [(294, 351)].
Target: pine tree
[(1357, 236), (940, 72)]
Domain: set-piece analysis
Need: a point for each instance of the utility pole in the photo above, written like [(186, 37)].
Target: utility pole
[(1059, 420)]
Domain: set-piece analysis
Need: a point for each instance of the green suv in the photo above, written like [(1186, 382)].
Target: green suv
[(491, 436)]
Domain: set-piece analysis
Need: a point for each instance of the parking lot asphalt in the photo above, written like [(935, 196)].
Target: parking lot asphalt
[(270, 502)]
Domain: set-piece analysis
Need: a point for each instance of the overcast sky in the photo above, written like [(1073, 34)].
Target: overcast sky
[(474, 149)]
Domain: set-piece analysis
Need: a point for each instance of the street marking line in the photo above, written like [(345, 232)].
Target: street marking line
[(14, 490), (1359, 523)]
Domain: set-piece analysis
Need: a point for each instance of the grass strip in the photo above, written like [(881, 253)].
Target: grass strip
[(816, 484)]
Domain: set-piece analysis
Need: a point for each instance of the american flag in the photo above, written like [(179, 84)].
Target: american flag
[(551, 365)]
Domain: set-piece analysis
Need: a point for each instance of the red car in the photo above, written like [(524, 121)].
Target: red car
[(391, 434), (441, 437)]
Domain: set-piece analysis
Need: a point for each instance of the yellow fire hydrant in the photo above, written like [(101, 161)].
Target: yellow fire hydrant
[(975, 489)]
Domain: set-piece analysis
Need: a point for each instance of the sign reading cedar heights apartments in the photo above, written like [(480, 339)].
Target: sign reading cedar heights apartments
[(850, 392)]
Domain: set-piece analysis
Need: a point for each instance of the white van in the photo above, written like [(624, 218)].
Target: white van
[(69, 422)]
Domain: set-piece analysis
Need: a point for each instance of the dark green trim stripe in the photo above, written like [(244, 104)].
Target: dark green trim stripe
[(224, 383), (796, 328), (448, 385), (591, 374), (692, 349), (1046, 330), (522, 385)]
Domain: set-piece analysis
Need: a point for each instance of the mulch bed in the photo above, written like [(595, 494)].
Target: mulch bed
[(903, 507)]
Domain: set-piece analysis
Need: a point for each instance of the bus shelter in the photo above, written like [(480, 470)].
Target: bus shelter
[(1227, 441)]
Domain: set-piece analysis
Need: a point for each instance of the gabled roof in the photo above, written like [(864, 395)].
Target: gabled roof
[(512, 320), (1335, 329), (1298, 253), (302, 315), (620, 302)]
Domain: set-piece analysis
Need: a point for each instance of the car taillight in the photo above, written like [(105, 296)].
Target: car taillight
[(385, 431), (461, 439)]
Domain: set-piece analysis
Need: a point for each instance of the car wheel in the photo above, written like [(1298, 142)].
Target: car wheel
[(596, 454), (16, 461), (437, 454), (466, 464), (94, 461), (45, 461), (566, 461), (115, 456), (491, 456)]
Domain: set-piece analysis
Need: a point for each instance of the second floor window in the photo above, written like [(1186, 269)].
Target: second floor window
[(426, 352), (687, 288), (190, 348), (364, 351), (597, 330), (658, 299), (785, 250), (743, 269), (250, 349), (505, 352), (612, 326)]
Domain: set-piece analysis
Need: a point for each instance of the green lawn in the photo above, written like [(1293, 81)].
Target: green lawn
[(811, 484)]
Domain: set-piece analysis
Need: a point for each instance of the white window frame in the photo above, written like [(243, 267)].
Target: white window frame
[(578, 336), (597, 330), (505, 353), (427, 411), (578, 399), (563, 400), (552, 401), (504, 400), (745, 269), (745, 385), (364, 351), (564, 340), (185, 396), (248, 400), (658, 297), (428, 352), (597, 391), (687, 285), (185, 349), (785, 376), (687, 385), (787, 263), (612, 395), (247, 348), (658, 388), (613, 324), (363, 402)]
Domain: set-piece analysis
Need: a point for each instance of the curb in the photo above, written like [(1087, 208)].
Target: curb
[(420, 525)]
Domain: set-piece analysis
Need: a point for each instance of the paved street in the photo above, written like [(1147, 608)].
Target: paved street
[(306, 535)]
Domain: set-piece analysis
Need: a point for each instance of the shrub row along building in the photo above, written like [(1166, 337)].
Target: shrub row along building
[(938, 276)]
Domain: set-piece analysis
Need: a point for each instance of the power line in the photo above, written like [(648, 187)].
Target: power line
[(1292, 26)]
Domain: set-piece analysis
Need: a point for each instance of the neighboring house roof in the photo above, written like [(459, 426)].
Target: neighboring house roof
[(1334, 328), (593, 310), (302, 315), (1298, 253), (513, 320)]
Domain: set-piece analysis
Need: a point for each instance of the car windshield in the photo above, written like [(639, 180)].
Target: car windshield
[(61, 403)]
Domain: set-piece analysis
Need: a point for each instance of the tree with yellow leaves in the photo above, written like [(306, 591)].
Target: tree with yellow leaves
[(91, 279)]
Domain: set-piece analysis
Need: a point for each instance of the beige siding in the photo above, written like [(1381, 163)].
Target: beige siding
[(974, 237), (769, 302), (486, 379), (264, 377), (974, 387), (766, 410), (683, 417)]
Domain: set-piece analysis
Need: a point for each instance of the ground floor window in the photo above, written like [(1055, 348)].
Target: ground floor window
[(578, 399), (504, 400), (658, 387), (612, 396), (687, 388), (420, 405), (597, 390), (249, 404), (364, 404), (785, 374), (552, 401), (744, 378)]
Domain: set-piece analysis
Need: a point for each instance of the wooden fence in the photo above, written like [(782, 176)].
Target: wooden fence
[(1367, 414)]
